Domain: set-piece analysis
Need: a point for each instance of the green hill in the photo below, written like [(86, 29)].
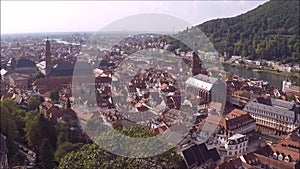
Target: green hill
[(271, 31)]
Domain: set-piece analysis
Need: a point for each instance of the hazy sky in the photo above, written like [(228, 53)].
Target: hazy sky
[(63, 16)]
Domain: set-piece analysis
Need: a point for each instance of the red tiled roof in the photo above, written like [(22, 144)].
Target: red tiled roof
[(275, 163), (294, 90), (211, 119), (159, 129), (84, 116), (44, 85), (238, 92), (234, 118), (253, 159), (232, 164), (236, 113), (47, 104), (7, 95), (293, 136), (69, 112), (287, 148), (52, 110)]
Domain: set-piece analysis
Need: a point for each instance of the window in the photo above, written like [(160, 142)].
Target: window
[(287, 159)]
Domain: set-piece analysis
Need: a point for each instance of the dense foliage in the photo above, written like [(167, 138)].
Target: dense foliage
[(36, 132), (271, 31), (54, 95), (92, 156)]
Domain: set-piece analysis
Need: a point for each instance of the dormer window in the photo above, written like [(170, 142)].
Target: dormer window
[(275, 155), (286, 159), (280, 157)]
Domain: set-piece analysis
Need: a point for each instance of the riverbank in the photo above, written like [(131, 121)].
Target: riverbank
[(274, 78), (265, 69)]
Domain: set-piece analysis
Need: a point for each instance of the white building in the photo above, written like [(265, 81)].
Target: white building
[(257, 63), (206, 88), (236, 145), (286, 85), (274, 115)]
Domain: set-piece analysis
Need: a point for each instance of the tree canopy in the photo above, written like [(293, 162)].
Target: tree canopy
[(34, 103), (92, 156), (271, 32), (54, 95), (46, 155)]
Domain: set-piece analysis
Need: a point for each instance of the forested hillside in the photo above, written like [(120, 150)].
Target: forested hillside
[(271, 31)]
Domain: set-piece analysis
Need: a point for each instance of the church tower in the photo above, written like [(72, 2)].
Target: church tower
[(48, 58), (196, 64)]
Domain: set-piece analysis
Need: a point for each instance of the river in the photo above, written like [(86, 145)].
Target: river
[(64, 42), (273, 78)]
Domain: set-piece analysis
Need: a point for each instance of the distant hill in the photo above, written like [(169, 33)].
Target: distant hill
[(271, 31)]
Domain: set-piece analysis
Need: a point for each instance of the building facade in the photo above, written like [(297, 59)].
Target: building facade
[(206, 88), (236, 145), (19, 80), (239, 98), (238, 122), (274, 115)]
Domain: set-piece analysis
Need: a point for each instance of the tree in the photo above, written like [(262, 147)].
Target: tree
[(34, 103), (46, 155), (10, 105), (62, 133), (34, 134), (38, 75), (48, 130), (91, 156), (19, 159), (290, 97), (54, 95), (278, 29), (7, 126), (64, 149), (88, 156), (16, 116), (30, 116), (41, 99), (122, 162)]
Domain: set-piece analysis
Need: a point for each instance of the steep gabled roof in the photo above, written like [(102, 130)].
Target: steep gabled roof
[(198, 154)]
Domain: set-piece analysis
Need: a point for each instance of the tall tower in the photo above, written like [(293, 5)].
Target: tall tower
[(48, 58), (196, 64)]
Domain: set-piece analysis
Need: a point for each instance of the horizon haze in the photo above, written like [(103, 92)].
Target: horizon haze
[(90, 16)]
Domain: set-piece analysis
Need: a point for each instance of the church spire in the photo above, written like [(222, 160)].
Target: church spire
[(48, 58), (68, 106)]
